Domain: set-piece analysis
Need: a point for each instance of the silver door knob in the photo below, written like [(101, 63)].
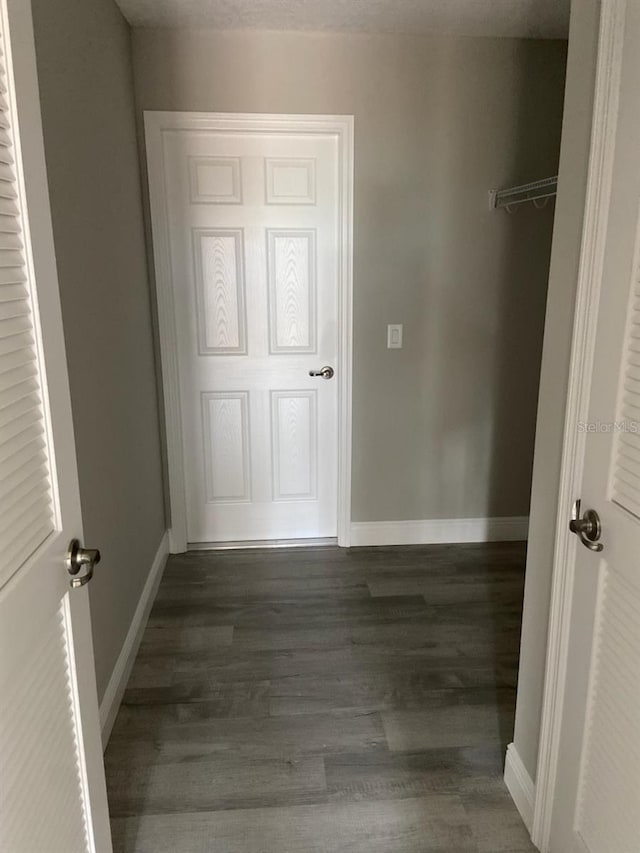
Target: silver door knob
[(81, 558), (325, 372), (587, 527)]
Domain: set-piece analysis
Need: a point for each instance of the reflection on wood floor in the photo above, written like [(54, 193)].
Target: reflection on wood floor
[(323, 700)]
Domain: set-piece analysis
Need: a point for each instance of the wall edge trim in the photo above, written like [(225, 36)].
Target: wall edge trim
[(117, 683), (520, 785)]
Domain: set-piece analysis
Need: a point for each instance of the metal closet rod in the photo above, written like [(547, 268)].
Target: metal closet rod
[(533, 191)]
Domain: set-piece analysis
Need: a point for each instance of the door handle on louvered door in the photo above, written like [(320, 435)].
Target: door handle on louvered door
[(78, 558), (586, 527)]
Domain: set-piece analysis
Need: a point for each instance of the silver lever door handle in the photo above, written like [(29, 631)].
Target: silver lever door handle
[(586, 527), (78, 558), (325, 372)]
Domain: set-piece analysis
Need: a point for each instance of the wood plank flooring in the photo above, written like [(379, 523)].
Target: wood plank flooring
[(322, 700)]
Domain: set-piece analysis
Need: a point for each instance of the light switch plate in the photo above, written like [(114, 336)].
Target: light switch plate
[(394, 336)]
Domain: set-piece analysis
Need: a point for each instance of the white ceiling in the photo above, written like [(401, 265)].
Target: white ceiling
[(518, 18)]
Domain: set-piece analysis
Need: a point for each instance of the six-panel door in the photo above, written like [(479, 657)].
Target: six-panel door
[(253, 234)]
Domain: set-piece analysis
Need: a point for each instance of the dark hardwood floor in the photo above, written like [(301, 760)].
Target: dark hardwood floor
[(322, 700)]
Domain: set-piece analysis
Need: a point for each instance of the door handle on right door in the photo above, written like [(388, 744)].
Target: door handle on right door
[(325, 372), (586, 527)]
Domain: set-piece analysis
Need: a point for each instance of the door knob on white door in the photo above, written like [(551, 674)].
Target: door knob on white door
[(325, 372), (78, 558), (586, 527)]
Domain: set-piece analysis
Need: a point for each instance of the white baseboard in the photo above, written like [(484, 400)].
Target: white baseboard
[(520, 785), (439, 530), (121, 671), (248, 544)]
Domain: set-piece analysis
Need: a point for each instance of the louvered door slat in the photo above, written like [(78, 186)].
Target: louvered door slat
[(634, 360), (34, 467), (32, 505), (14, 308), (27, 407), (6, 178), (6, 185), (17, 391), (9, 224), (610, 784), (12, 274), (22, 481), (24, 540), (628, 498), (630, 453), (634, 332), (5, 143), (9, 255), (629, 439), (15, 342), (628, 469), (18, 358), (625, 478), (31, 450), (12, 290), (16, 443), (13, 376), (39, 702), (8, 206), (8, 328), (630, 408), (26, 513), (28, 403), (23, 425), (631, 384)]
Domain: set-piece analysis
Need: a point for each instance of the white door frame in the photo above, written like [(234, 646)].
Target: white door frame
[(594, 232), (156, 124)]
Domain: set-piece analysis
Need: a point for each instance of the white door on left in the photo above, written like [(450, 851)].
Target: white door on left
[(52, 788)]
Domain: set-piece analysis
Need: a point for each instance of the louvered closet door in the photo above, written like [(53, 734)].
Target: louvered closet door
[(52, 792), (597, 804)]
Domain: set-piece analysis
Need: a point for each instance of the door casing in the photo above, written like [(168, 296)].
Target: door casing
[(342, 127), (609, 63)]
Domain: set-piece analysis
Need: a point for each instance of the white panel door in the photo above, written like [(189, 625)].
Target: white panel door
[(52, 789), (597, 800), (253, 230)]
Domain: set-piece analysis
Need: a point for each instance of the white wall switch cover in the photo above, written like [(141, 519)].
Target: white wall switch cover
[(394, 336)]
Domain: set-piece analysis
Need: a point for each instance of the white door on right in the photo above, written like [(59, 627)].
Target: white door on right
[(597, 800), (252, 224)]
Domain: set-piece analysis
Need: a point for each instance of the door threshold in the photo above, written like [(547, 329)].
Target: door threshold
[(263, 543)]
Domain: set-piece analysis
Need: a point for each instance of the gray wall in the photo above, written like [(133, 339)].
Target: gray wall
[(567, 235), (445, 427), (86, 87)]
